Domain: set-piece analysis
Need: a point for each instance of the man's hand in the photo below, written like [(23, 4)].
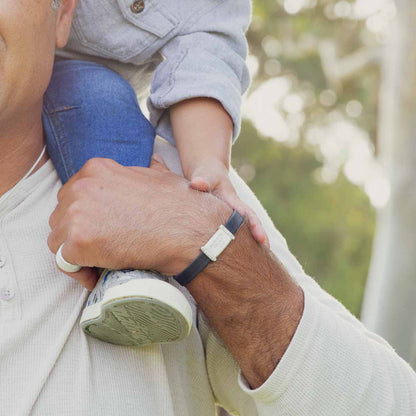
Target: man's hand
[(213, 176), (118, 217)]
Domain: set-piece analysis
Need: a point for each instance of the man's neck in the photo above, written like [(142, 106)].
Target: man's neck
[(20, 149)]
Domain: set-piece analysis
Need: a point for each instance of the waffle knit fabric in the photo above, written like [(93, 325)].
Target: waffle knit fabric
[(333, 366)]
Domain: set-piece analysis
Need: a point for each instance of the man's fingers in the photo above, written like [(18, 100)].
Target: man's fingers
[(63, 264), (87, 277), (60, 211), (55, 239)]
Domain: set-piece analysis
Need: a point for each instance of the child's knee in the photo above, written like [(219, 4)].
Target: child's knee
[(82, 83)]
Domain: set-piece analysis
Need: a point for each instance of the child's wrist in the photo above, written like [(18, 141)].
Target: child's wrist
[(205, 164)]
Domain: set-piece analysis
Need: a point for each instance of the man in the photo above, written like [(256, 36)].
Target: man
[(283, 346)]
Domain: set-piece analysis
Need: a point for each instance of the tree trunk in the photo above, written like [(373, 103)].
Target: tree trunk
[(390, 300)]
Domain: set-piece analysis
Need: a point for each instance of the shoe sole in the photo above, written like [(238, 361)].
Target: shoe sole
[(130, 314)]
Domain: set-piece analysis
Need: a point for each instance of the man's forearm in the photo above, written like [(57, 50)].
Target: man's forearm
[(104, 218), (252, 303), (247, 295)]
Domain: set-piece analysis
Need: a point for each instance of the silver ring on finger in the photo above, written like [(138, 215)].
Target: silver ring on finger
[(65, 265)]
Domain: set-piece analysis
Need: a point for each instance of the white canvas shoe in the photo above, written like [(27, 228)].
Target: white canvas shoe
[(132, 307)]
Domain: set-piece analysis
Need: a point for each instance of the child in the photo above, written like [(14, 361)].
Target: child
[(194, 102)]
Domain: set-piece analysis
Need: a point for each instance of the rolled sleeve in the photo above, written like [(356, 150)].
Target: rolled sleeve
[(205, 60), (331, 368)]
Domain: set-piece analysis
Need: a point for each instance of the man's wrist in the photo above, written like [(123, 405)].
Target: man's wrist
[(211, 214), (212, 249), (253, 304)]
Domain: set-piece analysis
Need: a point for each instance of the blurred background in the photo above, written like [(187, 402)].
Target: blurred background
[(316, 147), (309, 140)]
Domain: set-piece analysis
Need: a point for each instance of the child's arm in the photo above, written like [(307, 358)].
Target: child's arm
[(203, 133), (206, 58)]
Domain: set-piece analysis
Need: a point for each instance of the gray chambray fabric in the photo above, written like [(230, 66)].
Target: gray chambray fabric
[(193, 48)]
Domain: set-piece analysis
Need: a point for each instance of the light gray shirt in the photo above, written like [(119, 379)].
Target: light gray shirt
[(189, 48)]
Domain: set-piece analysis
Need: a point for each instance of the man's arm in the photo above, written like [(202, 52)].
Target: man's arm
[(247, 295), (129, 217), (253, 304)]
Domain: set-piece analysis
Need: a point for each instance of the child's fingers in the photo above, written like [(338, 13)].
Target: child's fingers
[(256, 227), (200, 184), (206, 179), (257, 230), (87, 277), (225, 190)]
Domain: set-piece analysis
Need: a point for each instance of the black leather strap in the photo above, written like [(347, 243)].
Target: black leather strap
[(202, 261), (234, 222)]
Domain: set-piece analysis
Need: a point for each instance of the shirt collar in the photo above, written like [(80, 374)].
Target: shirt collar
[(12, 198)]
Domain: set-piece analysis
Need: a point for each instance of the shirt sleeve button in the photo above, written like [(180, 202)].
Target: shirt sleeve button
[(6, 294), (137, 6)]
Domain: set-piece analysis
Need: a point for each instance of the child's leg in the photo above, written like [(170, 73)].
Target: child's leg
[(90, 111)]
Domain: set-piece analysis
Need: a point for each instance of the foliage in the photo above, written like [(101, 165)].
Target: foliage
[(329, 225)]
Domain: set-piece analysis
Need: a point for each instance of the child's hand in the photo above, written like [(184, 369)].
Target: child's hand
[(212, 176), (203, 130)]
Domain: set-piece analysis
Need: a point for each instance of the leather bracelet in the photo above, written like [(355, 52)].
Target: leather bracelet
[(215, 246)]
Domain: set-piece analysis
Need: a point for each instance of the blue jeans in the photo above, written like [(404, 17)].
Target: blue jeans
[(90, 111)]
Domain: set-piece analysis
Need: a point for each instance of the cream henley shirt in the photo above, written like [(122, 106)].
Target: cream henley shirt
[(333, 366)]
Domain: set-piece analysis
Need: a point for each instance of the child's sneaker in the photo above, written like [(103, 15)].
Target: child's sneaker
[(131, 307)]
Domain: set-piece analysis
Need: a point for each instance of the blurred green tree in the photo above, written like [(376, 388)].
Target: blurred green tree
[(307, 147), (329, 227)]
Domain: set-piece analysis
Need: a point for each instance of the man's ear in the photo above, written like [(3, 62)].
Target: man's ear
[(64, 21)]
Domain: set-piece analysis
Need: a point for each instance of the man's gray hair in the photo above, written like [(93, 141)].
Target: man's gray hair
[(55, 4)]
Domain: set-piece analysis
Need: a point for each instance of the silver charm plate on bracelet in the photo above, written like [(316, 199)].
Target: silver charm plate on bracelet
[(218, 243)]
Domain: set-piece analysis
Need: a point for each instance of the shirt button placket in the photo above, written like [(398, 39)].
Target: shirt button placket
[(6, 294), (10, 308)]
